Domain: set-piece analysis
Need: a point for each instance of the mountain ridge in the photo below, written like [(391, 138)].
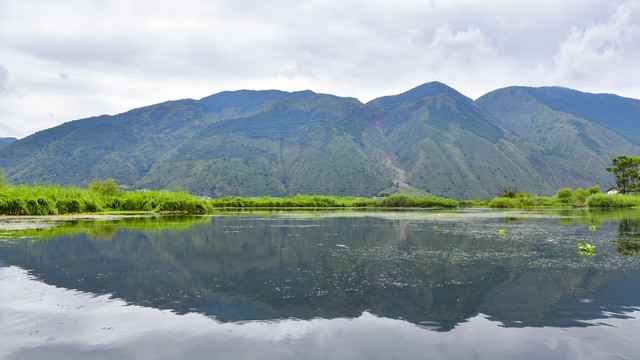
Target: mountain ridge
[(430, 139), (595, 107)]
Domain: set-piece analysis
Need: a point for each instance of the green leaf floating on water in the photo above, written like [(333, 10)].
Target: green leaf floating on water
[(586, 249)]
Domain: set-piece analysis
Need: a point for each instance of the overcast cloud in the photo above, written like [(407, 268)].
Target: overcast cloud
[(65, 60)]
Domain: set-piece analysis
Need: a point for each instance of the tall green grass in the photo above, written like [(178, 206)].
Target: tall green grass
[(318, 201), (521, 202), (564, 198), (412, 202), (52, 200), (613, 201), (47, 200)]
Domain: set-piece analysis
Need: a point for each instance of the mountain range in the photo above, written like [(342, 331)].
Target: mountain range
[(430, 140)]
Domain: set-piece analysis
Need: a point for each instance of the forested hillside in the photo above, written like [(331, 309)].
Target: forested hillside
[(429, 140)]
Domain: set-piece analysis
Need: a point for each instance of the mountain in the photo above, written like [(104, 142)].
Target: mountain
[(447, 145), (7, 141), (428, 140), (579, 132), (619, 114), (303, 143), (124, 146)]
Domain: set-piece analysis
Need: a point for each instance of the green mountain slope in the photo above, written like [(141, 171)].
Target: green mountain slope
[(449, 147), (619, 114), (306, 143), (7, 141), (576, 150), (123, 147)]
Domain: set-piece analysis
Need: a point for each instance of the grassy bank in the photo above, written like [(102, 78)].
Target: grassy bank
[(53, 200), (592, 198), (613, 201), (318, 201)]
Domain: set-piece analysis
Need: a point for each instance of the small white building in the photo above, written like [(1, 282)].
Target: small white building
[(613, 190)]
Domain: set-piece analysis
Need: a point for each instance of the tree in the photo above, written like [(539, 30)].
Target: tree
[(627, 172), (509, 192), (105, 187)]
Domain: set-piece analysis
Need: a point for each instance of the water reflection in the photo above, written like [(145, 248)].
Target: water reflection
[(435, 270), (628, 237), (66, 324)]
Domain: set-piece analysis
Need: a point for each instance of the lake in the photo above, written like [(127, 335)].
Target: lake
[(454, 284)]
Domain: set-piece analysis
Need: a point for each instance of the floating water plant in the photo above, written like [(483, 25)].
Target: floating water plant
[(500, 231), (592, 228), (435, 227), (586, 249)]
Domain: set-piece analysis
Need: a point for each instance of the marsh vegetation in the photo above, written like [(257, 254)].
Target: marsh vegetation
[(103, 196)]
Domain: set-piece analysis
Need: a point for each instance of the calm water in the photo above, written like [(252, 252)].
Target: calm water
[(322, 285)]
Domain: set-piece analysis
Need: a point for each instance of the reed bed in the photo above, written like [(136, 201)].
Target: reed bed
[(53, 200)]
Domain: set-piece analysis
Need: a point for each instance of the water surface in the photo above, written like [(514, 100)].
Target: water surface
[(404, 284)]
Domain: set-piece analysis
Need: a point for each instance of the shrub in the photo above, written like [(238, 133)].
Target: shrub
[(105, 187), (593, 190), (396, 201), (509, 193), (504, 202), (565, 194), (580, 195)]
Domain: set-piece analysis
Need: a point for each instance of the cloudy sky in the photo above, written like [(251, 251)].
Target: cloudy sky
[(64, 60)]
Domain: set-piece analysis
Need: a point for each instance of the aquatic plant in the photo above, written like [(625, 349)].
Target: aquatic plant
[(586, 249)]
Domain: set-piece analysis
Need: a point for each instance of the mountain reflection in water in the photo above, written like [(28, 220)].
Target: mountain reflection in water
[(57, 323), (320, 265)]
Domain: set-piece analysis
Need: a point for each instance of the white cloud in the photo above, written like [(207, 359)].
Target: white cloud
[(4, 79), (450, 52), (603, 54), (73, 59)]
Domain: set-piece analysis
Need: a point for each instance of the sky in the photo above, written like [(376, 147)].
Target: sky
[(65, 60)]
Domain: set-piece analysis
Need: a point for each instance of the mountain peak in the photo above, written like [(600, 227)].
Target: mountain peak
[(419, 92), (433, 88)]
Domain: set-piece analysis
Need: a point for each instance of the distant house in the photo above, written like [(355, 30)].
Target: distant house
[(613, 190)]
